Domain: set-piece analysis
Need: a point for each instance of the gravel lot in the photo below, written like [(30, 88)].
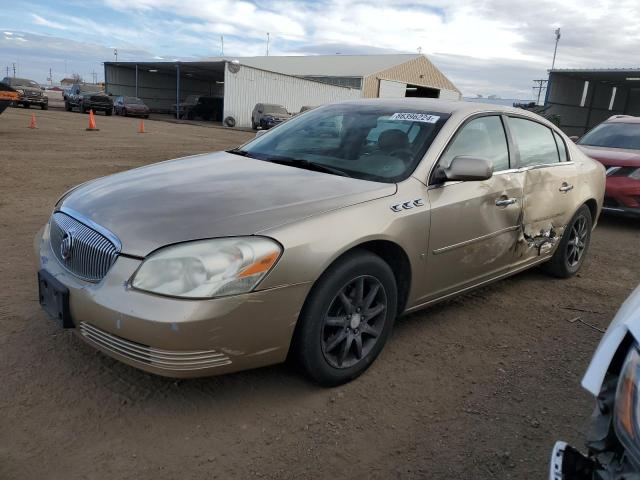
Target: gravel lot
[(477, 387)]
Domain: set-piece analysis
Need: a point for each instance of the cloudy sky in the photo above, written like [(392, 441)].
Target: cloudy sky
[(484, 46)]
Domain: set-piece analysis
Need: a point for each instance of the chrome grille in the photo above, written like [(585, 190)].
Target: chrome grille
[(87, 253), (164, 359)]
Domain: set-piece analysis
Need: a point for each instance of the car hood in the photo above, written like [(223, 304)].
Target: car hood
[(211, 195), (30, 89), (626, 321), (613, 157)]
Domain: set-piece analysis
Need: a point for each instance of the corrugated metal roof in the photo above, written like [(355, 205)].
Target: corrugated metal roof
[(324, 65), (595, 70)]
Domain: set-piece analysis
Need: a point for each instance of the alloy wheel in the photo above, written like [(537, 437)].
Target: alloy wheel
[(577, 241), (354, 321)]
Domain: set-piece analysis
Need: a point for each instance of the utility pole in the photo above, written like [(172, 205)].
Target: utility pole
[(267, 44), (222, 45), (50, 77), (553, 63), (115, 54), (7, 71), (542, 84), (14, 70)]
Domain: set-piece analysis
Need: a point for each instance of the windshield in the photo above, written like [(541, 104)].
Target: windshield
[(370, 142), (613, 135), (90, 88), (133, 101), (20, 82), (275, 109)]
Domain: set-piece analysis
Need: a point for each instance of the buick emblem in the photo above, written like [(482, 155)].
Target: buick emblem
[(66, 246)]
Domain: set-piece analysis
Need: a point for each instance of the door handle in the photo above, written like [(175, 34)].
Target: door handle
[(503, 202), (565, 187)]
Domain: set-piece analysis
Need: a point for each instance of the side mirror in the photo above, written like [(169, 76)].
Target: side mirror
[(468, 168), (574, 138), (259, 133)]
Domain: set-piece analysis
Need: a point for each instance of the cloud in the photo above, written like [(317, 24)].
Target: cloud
[(484, 46)]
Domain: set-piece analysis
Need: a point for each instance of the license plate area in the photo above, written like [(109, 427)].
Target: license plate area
[(54, 298)]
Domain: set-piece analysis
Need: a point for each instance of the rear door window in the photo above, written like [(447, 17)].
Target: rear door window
[(534, 141), (562, 148)]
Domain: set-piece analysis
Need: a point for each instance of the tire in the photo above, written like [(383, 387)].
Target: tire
[(145, 116), (108, 113), (253, 125), (67, 107), (26, 105), (44, 107), (331, 324), (568, 258)]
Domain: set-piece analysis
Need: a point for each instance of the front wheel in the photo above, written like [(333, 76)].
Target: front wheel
[(346, 319), (108, 112), (569, 256), (44, 107)]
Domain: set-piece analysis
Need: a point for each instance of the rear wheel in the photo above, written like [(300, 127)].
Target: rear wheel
[(347, 319), (569, 256), (108, 112), (26, 105), (44, 107), (67, 106)]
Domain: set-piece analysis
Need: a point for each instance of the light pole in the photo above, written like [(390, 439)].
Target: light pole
[(115, 54), (553, 63)]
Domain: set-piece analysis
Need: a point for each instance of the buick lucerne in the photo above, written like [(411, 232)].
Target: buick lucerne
[(309, 240)]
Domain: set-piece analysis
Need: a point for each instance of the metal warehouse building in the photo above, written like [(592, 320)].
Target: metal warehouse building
[(292, 81), (584, 98)]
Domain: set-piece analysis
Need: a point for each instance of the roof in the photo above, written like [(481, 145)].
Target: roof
[(623, 119), (438, 105), (627, 76), (324, 65)]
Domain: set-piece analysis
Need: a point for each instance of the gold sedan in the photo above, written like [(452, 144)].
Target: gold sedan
[(311, 239)]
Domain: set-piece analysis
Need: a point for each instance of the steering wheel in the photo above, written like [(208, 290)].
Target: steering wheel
[(405, 154)]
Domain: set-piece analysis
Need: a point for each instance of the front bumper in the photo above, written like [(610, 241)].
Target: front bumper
[(177, 337), (622, 196), (33, 101)]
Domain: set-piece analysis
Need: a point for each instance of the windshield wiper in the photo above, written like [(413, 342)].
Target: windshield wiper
[(307, 164), (242, 153)]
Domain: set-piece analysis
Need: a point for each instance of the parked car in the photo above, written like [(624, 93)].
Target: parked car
[(189, 102), (31, 93), (266, 115), (130, 106), (7, 96), (307, 245), (205, 108), (613, 378), (86, 97), (616, 144)]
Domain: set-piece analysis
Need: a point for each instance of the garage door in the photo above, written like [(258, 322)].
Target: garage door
[(389, 89)]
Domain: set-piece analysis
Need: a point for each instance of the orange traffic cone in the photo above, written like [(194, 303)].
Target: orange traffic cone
[(141, 127), (32, 123), (92, 122)]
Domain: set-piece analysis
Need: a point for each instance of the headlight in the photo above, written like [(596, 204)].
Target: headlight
[(627, 406), (208, 268)]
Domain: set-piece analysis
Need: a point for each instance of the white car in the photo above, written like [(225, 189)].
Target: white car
[(613, 377)]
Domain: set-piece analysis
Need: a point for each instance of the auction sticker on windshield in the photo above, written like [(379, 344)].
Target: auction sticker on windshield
[(415, 117)]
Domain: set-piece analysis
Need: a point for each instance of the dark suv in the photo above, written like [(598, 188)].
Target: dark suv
[(31, 93), (88, 97)]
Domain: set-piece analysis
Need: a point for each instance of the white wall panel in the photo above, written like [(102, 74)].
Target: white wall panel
[(249, 86), (391, 89), (449, 94)]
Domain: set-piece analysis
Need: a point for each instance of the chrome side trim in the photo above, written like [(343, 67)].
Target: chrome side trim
[(156, 357), (448, 248), (477, 285)]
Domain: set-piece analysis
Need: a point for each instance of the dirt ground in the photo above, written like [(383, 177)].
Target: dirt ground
[(477, 387)]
